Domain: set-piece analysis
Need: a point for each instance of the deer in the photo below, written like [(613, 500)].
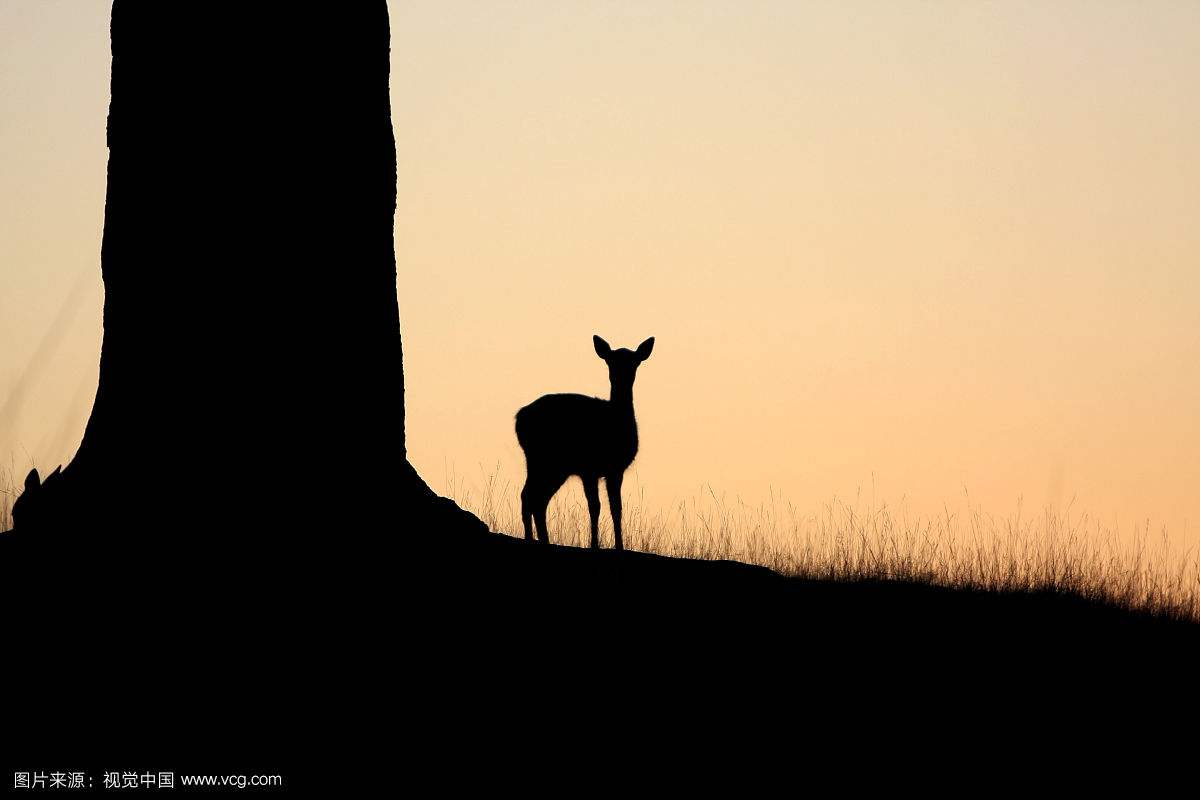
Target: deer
[(589, 437)]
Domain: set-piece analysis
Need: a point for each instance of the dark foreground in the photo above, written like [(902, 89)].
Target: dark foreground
[(494, 585), (832, 673), (488, 646)]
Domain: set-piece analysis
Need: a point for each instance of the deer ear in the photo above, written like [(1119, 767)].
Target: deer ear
[(32, 480), (602, 348), (645, 348)]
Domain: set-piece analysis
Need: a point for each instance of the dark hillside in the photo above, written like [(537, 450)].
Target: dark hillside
[(497, 582)]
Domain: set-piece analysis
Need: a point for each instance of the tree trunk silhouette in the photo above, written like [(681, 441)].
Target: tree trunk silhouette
[(237, 530), (251, 396)]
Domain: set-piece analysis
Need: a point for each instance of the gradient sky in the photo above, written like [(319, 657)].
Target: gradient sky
[(935, 246)]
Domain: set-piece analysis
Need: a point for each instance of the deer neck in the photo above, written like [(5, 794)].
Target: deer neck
[(624, 428), (621, 398)]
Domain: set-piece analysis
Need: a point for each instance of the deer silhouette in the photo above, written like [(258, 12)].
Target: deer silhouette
[(572, 434)]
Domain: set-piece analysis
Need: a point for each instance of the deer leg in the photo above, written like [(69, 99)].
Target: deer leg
[(613, 484), (539, 516), (541, 500), (591, 488), (527, 506)]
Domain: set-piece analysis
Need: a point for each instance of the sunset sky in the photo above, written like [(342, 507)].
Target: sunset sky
[(929, 246)]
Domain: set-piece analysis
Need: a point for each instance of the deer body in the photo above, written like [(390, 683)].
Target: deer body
[(572, 434)]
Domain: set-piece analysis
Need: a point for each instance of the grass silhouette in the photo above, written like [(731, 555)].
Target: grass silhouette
[(9, 489), (1055, 552)]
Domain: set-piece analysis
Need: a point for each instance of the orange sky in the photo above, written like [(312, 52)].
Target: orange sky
[(937, 245)]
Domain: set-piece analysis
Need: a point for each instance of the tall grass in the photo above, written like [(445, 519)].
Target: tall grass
[(8, 494), (1052, 551), (1055, 551)]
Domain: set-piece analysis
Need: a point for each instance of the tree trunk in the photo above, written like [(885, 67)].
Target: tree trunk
[(239, 526), (251, 397)]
